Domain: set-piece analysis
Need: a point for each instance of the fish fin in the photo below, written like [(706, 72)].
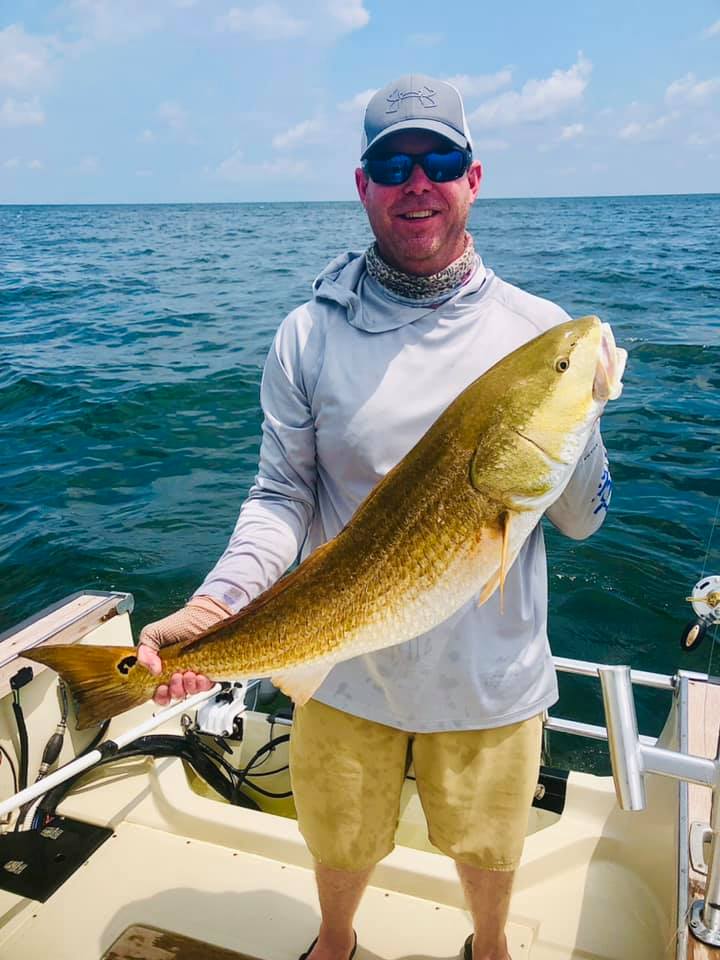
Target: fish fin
[(300, 683), (506, 561), (104, 681), (504, 558), (489, 589)]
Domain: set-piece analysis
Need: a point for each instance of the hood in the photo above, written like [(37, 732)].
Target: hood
[(345, 282)]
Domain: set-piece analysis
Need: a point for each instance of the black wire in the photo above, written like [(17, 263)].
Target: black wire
[(161, 745), (265, 748), (96, 739), (270, 773), (199, 755), (229, 769), (23, 737), (64, 698), (12, 768), (267, 793)]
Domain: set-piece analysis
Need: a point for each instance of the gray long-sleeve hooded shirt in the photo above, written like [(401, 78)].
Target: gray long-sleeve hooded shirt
[(353, 379)]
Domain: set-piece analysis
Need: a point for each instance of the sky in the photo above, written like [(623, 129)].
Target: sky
[(134, 101)]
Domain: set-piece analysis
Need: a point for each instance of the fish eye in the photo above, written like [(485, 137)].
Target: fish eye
[(562, 364)]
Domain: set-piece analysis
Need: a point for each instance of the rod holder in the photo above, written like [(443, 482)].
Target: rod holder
[(623, 740)]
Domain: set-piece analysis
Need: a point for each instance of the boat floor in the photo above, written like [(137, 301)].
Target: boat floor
[(595, 883), (247, 903)]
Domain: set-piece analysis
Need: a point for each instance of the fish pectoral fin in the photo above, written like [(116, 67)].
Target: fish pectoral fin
[(504, 565), (506, 561), (489, 589), (300, 683)]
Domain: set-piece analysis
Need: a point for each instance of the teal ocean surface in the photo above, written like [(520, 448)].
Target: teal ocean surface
[(131, 347)]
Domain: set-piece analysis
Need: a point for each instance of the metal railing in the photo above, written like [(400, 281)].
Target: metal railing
[(632, 756)]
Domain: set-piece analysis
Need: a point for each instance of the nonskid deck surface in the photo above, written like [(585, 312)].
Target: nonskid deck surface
[(226, 898)]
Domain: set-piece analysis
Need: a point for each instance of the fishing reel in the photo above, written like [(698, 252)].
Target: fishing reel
[(705, 600)]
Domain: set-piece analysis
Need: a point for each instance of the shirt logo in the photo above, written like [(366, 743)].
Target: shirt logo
[(426, 96)]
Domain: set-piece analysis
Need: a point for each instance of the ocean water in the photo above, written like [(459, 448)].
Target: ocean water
[(131, 347)]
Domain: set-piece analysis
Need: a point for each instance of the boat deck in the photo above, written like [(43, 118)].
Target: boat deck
[(595, 883)]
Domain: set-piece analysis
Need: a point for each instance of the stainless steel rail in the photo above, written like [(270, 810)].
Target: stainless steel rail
[(586, 668), (632, 760), (633, 756)]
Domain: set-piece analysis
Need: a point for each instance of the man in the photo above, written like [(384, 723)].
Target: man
[(353, 379)]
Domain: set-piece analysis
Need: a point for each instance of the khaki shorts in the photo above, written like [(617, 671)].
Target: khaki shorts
[(475, 786)]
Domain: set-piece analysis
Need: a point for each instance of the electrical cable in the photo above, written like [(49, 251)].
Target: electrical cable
[(160, 745), (50, 754), (13, 771), (265, 748), (102, 730), (270, 773), (23, 739), (267, 793)]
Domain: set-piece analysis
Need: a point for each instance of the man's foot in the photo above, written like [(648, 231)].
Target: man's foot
[(467, 950), (312, 954)]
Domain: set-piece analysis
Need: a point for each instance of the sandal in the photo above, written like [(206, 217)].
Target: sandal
[(304, 956)]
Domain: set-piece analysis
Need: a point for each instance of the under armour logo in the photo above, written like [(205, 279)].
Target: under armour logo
[(426, 96)]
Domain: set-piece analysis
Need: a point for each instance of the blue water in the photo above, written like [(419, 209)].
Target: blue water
[(131, 347)]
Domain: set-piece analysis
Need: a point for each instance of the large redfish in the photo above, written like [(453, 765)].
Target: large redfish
[(442, 527)]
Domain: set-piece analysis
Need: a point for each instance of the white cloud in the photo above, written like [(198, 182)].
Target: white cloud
[(489, 146), (173, 115), (300, 133), (426, 39), (236, 168), (350, 14), (147, 136), (537, 100), (482, 85), (25, 59), (572, 131), (691, 90), (713, 30), (36, 165), (648, 130), (115, 20), (12, 163), (359, 101), (17, 113), (265, 20)]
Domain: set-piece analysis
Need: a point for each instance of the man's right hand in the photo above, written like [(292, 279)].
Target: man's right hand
[(194, 618)]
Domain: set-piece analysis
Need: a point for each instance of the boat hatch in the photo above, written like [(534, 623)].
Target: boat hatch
[(139, 942)]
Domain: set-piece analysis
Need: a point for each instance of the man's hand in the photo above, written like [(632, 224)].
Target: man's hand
[(190, 621)]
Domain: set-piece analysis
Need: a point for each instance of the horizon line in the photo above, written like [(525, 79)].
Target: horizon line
[(170, 203)]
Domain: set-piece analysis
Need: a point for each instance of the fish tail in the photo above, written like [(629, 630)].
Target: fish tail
[(103, 681)]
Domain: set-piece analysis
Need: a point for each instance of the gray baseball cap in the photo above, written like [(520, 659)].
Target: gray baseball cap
[(415, 102)]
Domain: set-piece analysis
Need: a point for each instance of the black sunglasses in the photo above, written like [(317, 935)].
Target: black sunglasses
[(438, 166)]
